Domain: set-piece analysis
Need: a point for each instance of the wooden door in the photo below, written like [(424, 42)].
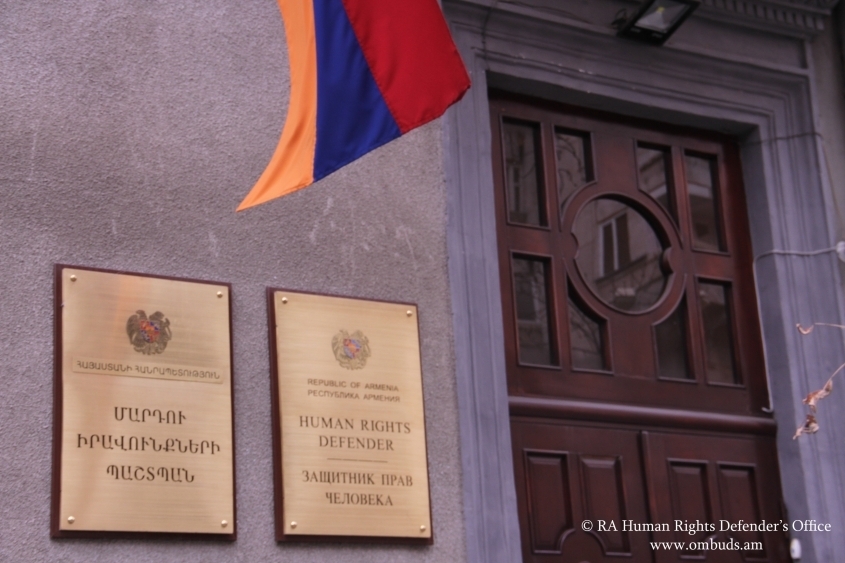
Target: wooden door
[(635, 369)]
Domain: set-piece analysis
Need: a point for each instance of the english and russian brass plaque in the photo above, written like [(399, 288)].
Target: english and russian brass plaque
[(143, 417), (349, 420)]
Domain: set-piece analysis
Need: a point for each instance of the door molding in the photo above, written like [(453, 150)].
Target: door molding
[(770, 107), (639, 416)]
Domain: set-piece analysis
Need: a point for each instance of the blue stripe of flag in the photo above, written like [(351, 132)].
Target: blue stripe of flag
[(352, 116)]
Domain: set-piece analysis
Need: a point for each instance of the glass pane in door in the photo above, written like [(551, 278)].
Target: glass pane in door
[(530, 282), (653, 175), (619, 255), (716, 319), (523, 178), (704, 209), (574, 162)]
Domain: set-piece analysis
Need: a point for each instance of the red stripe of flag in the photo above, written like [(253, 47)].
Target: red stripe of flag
[(411, 54)]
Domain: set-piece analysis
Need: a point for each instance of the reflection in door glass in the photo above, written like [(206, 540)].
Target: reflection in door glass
[(522, 175), (703, 203), (716, 318), (530, 282), (619, 255), (671, 338), (574, 166), (586, 339), (653, 176)]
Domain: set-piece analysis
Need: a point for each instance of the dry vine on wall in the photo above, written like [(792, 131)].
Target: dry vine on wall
[(811, 426)]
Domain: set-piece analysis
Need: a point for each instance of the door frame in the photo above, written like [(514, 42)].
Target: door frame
[(770, 108)]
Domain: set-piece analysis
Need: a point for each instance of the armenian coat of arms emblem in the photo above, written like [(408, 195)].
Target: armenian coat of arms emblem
[(148, 335), (351, 350)]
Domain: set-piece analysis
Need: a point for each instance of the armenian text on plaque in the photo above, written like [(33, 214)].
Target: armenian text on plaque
[(143, 419), (350, 424)]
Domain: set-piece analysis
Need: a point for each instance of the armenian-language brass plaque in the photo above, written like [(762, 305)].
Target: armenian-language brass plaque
[(144, 377), (352, 424)]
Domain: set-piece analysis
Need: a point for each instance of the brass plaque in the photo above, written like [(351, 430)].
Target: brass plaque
[(352, 423), (145, 380)]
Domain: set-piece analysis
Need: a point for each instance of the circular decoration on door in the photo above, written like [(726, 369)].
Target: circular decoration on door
[(619, 255)]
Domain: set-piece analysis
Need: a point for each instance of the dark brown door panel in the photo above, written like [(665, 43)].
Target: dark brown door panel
[(715, 481), (569, 474)]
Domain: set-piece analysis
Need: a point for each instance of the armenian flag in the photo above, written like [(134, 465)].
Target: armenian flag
[(363, 72)]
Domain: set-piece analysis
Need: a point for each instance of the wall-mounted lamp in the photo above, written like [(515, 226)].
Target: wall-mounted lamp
[(657, 20)]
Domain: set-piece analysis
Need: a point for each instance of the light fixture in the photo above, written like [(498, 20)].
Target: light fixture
[(657, 20)]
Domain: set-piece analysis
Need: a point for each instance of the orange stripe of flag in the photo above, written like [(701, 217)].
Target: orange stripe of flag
[(292, 165)]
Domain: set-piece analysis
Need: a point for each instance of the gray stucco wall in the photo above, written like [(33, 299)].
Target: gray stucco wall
[(129, 132)]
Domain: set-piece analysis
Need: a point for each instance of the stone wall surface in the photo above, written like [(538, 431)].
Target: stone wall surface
[(129, 132)]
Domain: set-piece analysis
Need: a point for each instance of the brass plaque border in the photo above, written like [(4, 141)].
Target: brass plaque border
[(55, 489), (278, 482)]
